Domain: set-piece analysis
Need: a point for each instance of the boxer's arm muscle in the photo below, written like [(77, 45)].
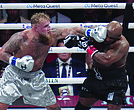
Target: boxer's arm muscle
[(112, 55), (60, 33), (9, 47)]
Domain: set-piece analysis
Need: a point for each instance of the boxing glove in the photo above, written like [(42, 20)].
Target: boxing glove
[(98, 34), (71, 41), (92, 50), (25, 63)]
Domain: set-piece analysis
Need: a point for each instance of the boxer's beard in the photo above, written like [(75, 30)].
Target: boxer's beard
[(45, 39)]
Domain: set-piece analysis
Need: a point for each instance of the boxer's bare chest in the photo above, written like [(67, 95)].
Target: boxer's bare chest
[(35, 49)]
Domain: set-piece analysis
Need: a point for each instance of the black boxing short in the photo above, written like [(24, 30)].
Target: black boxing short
[(106, 85)]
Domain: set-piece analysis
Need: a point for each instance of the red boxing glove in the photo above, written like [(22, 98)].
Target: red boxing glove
[(92, 50)]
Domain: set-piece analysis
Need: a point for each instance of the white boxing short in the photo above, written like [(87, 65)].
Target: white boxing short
[(31, 85)]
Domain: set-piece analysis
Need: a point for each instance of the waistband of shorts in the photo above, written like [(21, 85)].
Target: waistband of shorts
[(112, 74), (22, 73)]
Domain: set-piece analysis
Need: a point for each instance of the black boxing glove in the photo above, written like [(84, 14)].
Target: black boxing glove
[(83, 42), (71, 41), (74, 40)]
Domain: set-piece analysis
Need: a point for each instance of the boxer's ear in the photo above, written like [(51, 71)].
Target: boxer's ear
[(35, 28)]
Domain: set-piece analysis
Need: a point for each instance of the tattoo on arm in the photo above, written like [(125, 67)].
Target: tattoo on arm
[(13, 43), (63, 32)]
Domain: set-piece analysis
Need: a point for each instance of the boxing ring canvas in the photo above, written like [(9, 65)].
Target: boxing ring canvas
[(69, 101)]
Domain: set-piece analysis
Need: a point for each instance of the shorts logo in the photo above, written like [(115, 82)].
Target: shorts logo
[(98, 75), (110, 96), (23, 67), (84, 89)]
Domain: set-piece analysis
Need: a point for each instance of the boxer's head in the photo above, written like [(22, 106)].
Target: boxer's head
[(114, 31), (40, 24)]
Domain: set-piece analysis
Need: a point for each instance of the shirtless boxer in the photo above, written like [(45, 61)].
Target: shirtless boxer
[(107, 79), (25, 52)]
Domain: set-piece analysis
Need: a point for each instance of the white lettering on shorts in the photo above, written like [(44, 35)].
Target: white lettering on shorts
[(84, 89), (110, 96)]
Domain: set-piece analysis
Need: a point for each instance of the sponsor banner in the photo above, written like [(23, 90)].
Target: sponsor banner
[(30, 5), (62, 5), (76, 80), (104, 5)]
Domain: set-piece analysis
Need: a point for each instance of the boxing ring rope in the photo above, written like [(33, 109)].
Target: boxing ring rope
[(65, 80), (52, 25), (63, 5), (74, 50), (18, 26)]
